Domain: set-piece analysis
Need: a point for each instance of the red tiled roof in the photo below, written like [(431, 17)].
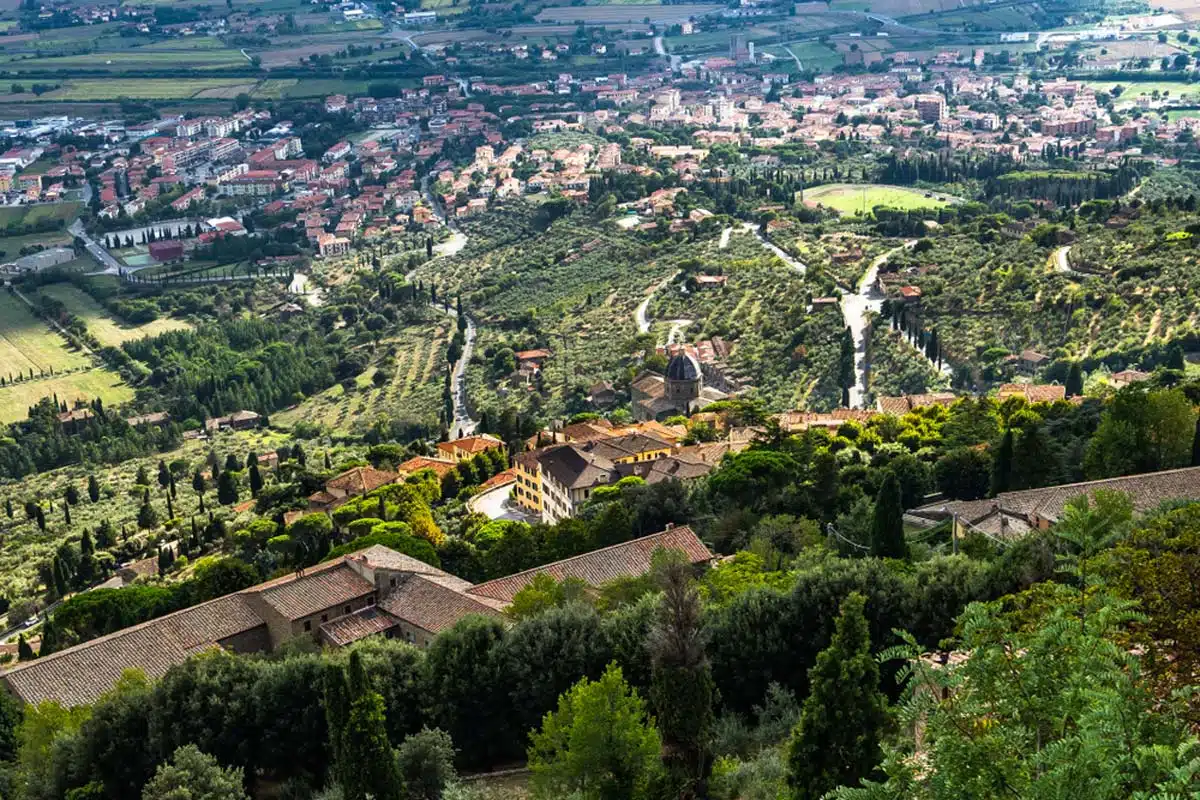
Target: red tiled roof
[(360, 480), (418, 463), (601, 566)]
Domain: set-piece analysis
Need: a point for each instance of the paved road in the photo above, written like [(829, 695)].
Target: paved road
[(494, 504), (640, 315), (857, 308), (464, 424), (1062, 263), (725, 238), (96, 251), (794, 263)]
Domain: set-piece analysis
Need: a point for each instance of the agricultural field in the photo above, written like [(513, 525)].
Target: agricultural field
[(412, 364), (100, 323), (88, 384), (150, 57), (625, 12), (1133, 289), (850, 198), (88, 89), (788, 354), (1132, 90), (32, 214), (10, 246), (26, 547), (843, 256), (26, 343)]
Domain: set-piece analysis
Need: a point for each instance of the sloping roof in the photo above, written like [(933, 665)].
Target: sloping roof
[(431, 605), (471, 444), (311, 593), (600, 566), (418, 463), (79, 675), (626, 445), (1147, 491), (899, 406), (1033, 392), (360, 480), (574, 467), (359, 625)]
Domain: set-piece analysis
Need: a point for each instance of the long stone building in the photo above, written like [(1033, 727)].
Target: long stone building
[(375, 591)]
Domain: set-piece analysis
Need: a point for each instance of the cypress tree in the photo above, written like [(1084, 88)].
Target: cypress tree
[(164, 476), (1002, 464), (87, 560), (328, 461), (1175, 356), (836, 742), (67, 513), (147, 518), (887, 525), (8, 507), (1195, 453), (365, 765), (232, 464), (24, 651), (1074, 384), (256, 481), (40, 515), (682, 687), (170, 507), (299, 454), (93, 489), (171, 488), (227, 490), (50, 638)]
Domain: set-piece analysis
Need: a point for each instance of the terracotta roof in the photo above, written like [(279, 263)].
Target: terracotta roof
[(432, 605), (359, 625), (899, 406), (626, 445), (418, 463), (1033, 392), (471, 444), (311, 593), (81, 674), (499, 479), (360, 480), (600, 566)]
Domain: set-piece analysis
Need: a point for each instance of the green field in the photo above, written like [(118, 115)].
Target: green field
[(11, 246), (1183, 113), (27, 343), (100, 323), (87, 89), (16, 398), (27, 215), (140, 58), (851, 198), (1134, 89)]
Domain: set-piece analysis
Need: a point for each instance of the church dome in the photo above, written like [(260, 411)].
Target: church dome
[(683, 367)]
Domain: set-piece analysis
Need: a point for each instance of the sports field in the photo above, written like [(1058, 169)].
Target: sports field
[(854, 198), (15, 399), (26, 342), (100, 323)]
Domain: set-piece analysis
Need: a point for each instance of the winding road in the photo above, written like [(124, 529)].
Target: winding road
[(1062, 262), (857, 308), (643, 321)]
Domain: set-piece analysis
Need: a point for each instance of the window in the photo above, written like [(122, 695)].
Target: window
[(308, 624), (324, 618), (347, 610), (393, 582)]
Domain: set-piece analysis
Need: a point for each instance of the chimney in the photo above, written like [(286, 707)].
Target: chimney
[(670, 526)]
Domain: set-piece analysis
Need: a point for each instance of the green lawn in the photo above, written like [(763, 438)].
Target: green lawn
[(85, 89), (100, 323), (850, 198), (26, 343), (15, 399)]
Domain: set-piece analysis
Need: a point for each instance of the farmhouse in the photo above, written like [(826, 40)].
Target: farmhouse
[(1011, 514), (375, 591)]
